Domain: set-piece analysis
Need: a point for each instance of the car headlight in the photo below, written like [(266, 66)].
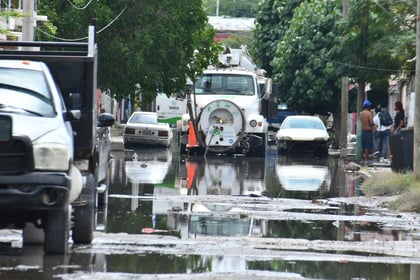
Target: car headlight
[(51, 156), (253, 123)]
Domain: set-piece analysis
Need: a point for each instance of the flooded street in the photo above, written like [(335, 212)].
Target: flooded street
[(219, 217)]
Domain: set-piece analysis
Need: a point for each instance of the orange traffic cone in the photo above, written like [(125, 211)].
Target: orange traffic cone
[(192, 138)]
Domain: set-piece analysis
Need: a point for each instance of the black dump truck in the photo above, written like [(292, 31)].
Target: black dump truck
[(54, 145)]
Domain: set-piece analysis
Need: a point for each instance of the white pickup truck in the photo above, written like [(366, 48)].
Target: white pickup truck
[(54, 147)]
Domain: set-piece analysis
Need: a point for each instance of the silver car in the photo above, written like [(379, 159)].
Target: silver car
[(143, 128), (302, 134)]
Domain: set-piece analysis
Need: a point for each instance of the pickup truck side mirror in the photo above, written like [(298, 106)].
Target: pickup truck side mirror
[(72, 115), (73, 112), (105, 119)]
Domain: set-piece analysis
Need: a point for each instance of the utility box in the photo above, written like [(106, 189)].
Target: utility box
[(401, 151)]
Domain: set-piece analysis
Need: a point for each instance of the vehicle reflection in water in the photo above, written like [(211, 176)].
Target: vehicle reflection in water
[(223, 176), (165, 204), (146, 166), (210, 176), (159, 203), (304, 177), (168, 210)]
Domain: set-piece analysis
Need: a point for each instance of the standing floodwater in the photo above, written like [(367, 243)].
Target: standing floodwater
[(233, 217)]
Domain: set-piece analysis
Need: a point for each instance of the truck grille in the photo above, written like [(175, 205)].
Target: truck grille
[(15, 157)]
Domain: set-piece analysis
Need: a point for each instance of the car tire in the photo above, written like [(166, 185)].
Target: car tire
[(56, 230), (84, 216)]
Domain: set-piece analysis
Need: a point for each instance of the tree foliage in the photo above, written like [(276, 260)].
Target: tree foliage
[(271, 24), (380, 39), (156, 44), (307, 79), (301, 42)]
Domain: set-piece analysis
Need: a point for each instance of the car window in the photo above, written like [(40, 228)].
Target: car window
[(25, 90), (302, 123), (144, 118), (224, 84)]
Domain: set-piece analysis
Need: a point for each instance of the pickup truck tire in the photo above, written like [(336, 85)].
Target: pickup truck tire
[(84, 216), (102, 198), (56, 230)]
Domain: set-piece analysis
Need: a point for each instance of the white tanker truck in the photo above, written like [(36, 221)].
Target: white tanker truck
[(225, 110)]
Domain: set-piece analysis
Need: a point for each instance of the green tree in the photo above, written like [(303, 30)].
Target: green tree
[(380, 41), (147, 42), (271, 24), (307, 47), (307, 79)]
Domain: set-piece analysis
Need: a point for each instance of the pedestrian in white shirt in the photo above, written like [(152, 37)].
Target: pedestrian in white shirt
[(381, 134)]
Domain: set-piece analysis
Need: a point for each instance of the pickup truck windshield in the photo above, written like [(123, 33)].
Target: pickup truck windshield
[(25, 91), (224, 84)]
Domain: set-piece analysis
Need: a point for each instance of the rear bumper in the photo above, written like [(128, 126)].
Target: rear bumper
[(134, 140), (34, 191)]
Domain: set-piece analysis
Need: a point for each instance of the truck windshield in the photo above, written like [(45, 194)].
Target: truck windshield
[(26, 90), (224, 84)]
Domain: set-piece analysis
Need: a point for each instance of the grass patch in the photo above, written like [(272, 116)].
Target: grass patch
[(388, 183)]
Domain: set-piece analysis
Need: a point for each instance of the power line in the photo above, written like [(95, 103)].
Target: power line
[(78, 8), (86, 37), (365, 67)]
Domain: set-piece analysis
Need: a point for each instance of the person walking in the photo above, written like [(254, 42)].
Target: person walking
[(383, 130), (366, 121), (398, 118)]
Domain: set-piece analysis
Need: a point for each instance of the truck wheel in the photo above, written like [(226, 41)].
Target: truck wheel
[(103, 196), (56, 230), (84, 216)]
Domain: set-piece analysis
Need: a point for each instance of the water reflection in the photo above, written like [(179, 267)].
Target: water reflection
[(166, 207), (304, 177), (147, 166), (152, 191), (152, 196), (223, 176)]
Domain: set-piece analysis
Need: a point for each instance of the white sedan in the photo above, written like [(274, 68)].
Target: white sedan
[(301, 134), (143, 128)]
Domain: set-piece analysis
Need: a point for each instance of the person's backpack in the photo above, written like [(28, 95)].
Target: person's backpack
[(385, 118)]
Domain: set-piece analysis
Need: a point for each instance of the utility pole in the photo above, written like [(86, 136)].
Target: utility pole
[(344, 93), (28, 20), (416, 133)]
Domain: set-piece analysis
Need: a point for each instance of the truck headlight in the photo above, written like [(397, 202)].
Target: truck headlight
[(51, 156)]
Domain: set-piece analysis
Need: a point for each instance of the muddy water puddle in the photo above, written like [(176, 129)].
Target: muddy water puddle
[(233, 218)]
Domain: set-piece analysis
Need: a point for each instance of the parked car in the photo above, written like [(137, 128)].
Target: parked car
[(302, 134), (143, 128)]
